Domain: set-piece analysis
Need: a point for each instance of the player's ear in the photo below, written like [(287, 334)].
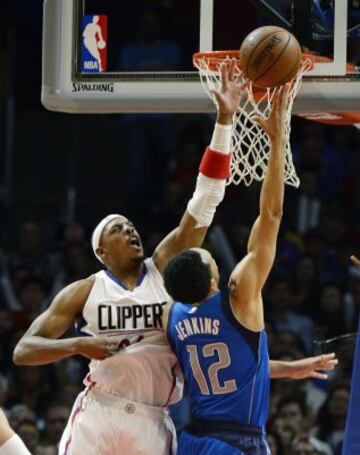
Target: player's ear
[(213, 286), (101, 252)]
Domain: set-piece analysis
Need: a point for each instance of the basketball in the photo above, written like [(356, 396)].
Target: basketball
[(101, 44), (270, 56)]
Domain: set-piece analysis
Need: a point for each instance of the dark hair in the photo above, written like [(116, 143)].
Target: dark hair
[(292, 399), (187, 278), (324, 419)]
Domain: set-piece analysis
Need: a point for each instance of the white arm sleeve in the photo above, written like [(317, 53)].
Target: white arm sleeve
[(221, 138), (207, 196)]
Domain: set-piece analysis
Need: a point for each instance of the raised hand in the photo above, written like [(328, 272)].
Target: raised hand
[(231, 89), (274, 125), (308, 367)]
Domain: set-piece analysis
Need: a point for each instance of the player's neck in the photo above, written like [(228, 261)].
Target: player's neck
[(211, 294), (129, 276)]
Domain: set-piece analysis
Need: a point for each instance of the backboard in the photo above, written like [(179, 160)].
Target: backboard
[(108, 56)]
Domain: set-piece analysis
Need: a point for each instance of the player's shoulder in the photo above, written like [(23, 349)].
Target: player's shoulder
[(73, 296), (151, 268)]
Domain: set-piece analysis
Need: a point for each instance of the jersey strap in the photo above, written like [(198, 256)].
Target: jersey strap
[(251, 337)]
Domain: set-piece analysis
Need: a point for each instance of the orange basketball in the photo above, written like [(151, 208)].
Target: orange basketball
[(270, 56)]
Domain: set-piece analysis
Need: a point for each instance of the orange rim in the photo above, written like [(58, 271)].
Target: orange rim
[(215, 58)]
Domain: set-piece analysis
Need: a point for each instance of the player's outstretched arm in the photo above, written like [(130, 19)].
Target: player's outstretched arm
[(307, 368), (249, 276), (40, 346), (214, 170)]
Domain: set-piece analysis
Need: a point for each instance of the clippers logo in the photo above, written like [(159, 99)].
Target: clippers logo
[(94, 44)]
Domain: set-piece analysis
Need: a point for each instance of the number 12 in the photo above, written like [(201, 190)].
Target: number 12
[(224, 361)]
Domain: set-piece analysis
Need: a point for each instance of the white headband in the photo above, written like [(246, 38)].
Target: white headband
[(96, 235)]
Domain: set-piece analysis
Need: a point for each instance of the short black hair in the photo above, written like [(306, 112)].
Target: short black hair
[(289, 399), (187, 278)]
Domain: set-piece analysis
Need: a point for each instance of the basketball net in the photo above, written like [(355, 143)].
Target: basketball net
[(250, 143)]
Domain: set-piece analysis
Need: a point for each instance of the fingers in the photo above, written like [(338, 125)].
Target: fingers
[(216, 94), (224, 75), (317, 375), (232, 69), (326, 357), (276, 98), (112, 346), (260, 121), (284, 92), (326, 361), (355, 260), (228, 72), (279, 101)]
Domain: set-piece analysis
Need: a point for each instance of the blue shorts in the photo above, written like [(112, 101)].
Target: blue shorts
[(222, 438)]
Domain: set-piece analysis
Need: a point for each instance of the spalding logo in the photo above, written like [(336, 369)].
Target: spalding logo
[(266, 52), (92, 87)]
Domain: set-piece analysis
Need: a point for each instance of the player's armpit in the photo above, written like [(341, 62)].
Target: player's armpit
[(244, 294), (39, 346)]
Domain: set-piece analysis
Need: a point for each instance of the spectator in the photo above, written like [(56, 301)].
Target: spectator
[(308, 445), (286, 431), (293, 410), (20, 413), (329, 314), (55, 421), (32, 387), (315, 154), (32, 297), (305, 285), (29, 433), (30, 252), (45, 450), (282, 316), (75, 265), (332, 416)]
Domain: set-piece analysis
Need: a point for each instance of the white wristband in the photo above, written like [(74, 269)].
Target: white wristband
[(221, 138), (14, 446)]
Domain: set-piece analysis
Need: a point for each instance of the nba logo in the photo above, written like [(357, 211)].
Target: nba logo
[(94, 43)]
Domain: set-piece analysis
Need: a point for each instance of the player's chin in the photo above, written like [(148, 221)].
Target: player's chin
[(139, 256)]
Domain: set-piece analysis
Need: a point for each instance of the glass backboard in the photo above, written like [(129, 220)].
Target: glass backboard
[(136, 55)]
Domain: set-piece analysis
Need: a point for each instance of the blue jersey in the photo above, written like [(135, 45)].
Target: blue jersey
[(226, 366)]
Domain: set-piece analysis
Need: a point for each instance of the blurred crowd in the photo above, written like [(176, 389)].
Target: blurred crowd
[(313, 292), (69, 172)]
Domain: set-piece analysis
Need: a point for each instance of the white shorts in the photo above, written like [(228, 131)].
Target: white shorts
[(102, 424)]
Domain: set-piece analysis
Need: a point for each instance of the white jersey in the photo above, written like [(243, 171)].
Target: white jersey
[(144, 370)]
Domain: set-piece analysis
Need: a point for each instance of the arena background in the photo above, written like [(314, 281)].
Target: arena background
[(59, 174)]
